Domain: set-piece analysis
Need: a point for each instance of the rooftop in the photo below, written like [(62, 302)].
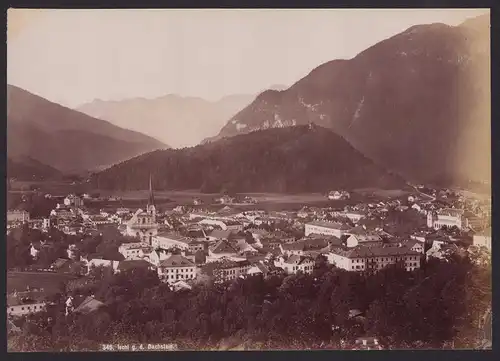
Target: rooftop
[(366, 252), (176, 261), (131, 264), (331, 225)]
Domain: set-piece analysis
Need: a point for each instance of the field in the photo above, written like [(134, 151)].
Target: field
[(57, 188), (170, 199), (265, 201), (50, 282)]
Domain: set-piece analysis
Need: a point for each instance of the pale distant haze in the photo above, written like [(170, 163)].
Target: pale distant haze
[(75, 56)]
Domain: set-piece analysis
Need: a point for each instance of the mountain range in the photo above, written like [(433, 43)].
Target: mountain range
[(178, 121), (65, 139), (29, 169), (293, 159), (417, 103)]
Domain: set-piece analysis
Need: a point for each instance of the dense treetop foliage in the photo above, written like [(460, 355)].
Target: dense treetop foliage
[(427, 308)]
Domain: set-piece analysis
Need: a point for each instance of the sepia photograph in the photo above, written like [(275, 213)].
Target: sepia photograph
[(248, 179)]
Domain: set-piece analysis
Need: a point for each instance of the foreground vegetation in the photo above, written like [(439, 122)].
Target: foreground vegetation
[(428, 308)]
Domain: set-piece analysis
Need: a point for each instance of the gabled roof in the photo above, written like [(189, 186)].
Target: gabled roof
[(226, 263), (220, 234), (331, 225), (176, 261), (60, 262), (297, 260), (131, 264), (365, 252), (223, 247), (88, 305), (450, 212)]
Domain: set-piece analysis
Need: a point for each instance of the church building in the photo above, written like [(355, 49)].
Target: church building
[(143, 223)]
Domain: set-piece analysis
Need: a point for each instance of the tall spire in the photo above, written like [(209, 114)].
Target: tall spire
[(151, 200)]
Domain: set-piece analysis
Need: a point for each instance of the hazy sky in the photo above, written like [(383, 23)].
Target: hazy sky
[(74, 56)]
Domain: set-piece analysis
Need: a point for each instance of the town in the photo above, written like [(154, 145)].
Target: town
[(220, 243)]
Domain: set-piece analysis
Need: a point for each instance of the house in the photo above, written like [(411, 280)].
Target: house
[(136, 250), (483, 239), (24, 303), (196, 245), (73, 201), (156, 256), (168, 240), (258, 268), (36, 247), (326, 228), (366, 239), (213, 222), (87, 305), (98, 261), (304, 246), (338, 195), (367, 343), (224, 200), (222, 249), (295, 264), (353, 216), (17, 216), (447, 217), (244, 248), (415, 246), (175, 268), (258, 233), (227, 270), (271, 242), (284, 236), (72, 251), (234, 226), (180, 286), (361, 259)]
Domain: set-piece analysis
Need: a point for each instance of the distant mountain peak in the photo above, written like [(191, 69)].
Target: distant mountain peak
[(66, 139), (396, 101)]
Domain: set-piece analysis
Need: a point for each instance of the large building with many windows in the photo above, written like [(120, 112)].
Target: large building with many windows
[(326, 228), (361, 259), (447, 217), (175, 268), (228, 270)]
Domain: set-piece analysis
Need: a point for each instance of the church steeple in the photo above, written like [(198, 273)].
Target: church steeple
[(151, 200)]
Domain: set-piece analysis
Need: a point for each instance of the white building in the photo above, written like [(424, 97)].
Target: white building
[(136, 250), (73, 201), (24, 303), (99, 262), (447, 217), (17, 216), (326, 228), (483, 239), (176, 268), (168, 240), (338, 195), (371, 239), (228, 270), (295, 263), (373, 258), (353, 216)]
